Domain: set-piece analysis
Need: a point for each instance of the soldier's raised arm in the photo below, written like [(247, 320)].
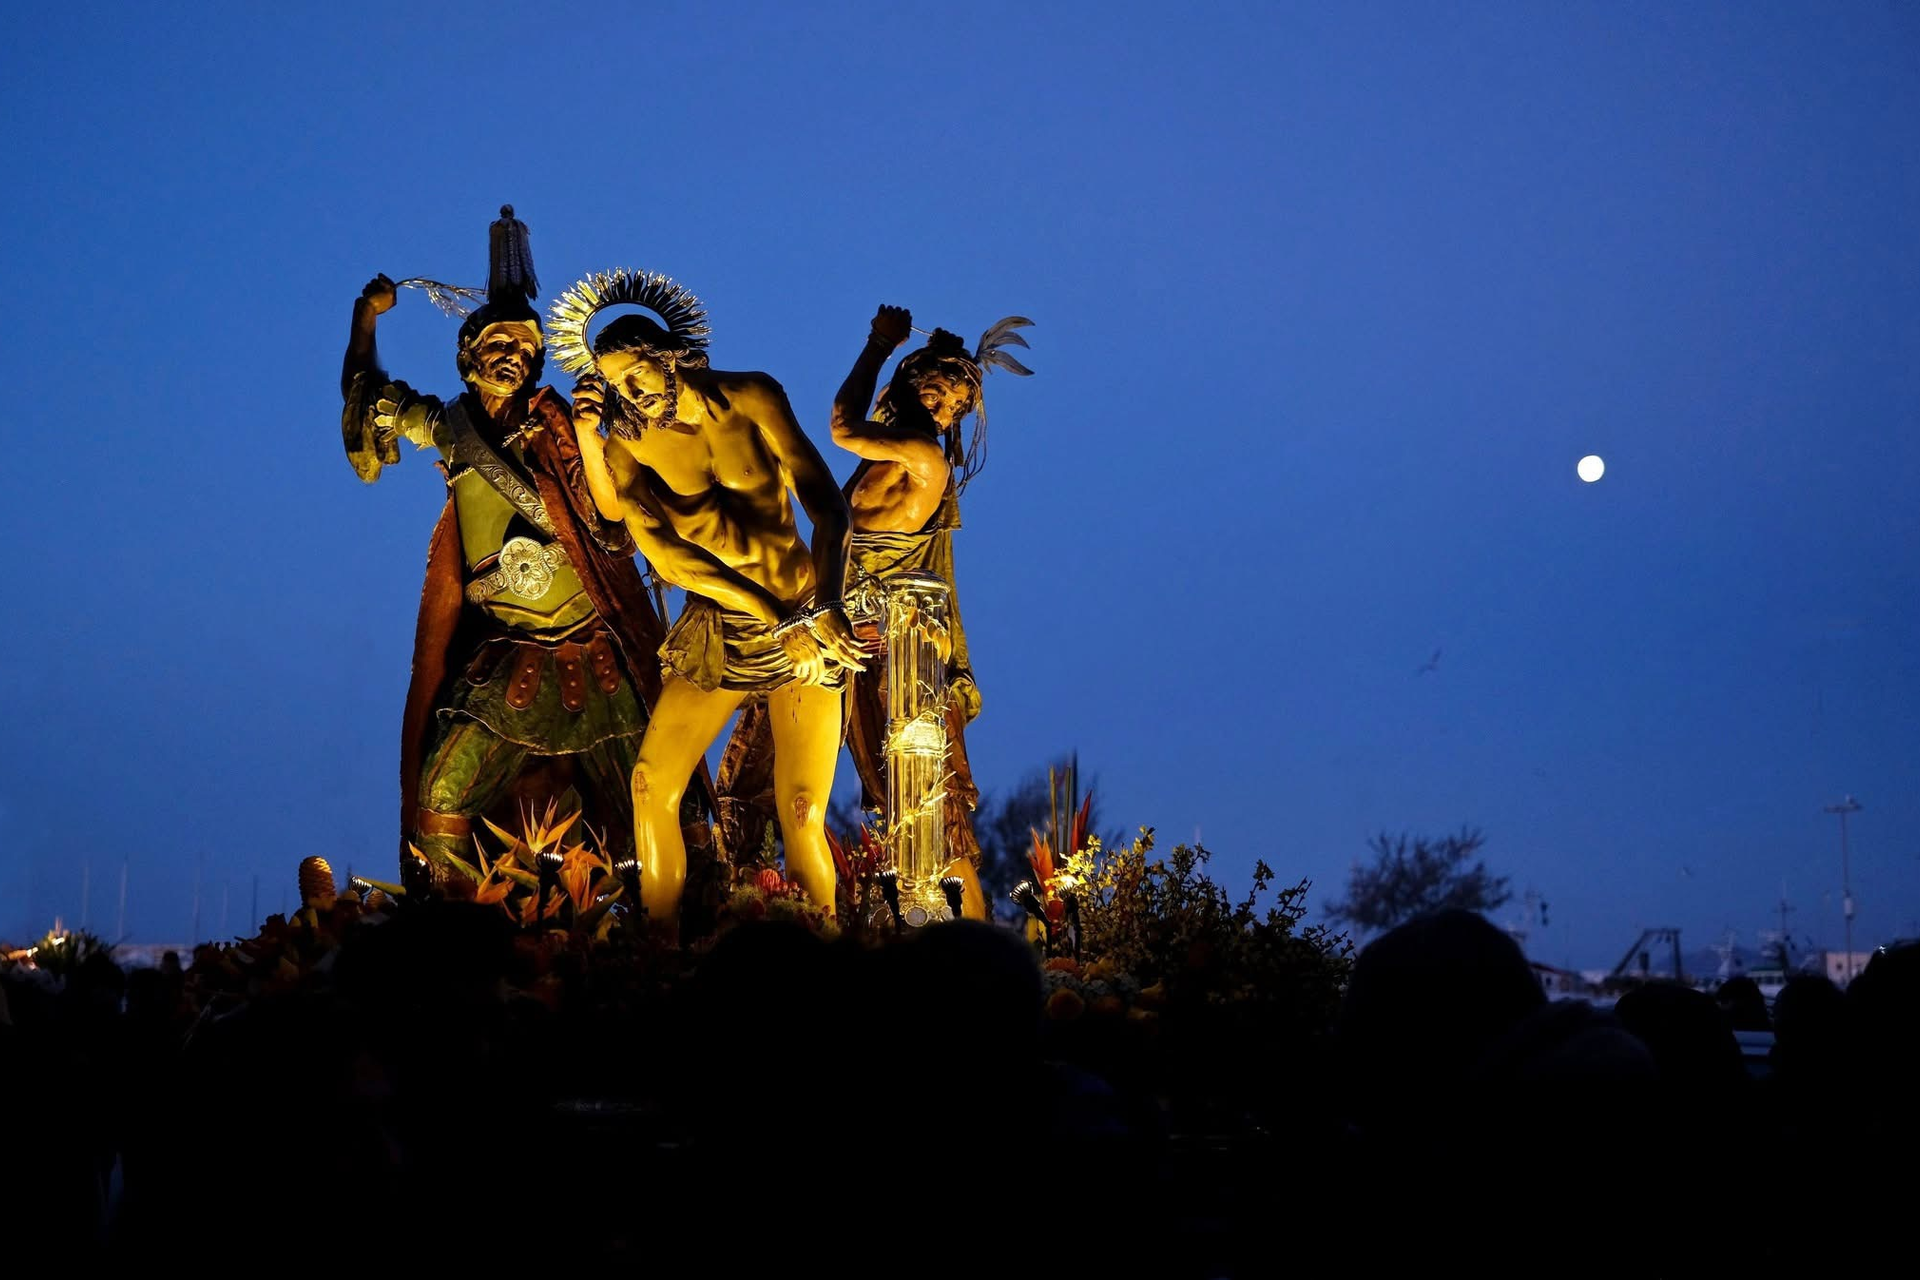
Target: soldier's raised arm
[(379, 412), (362, 356), (858, 434)]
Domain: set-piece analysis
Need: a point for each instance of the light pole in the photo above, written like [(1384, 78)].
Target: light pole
[(1845, 807)]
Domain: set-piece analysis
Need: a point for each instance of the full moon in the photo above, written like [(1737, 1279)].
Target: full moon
[(1591, 468)]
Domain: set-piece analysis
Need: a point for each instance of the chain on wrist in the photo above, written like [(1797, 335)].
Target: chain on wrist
[(798, 620), (807, 620)]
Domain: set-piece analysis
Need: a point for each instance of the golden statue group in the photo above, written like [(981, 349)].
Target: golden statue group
[(541, 665)]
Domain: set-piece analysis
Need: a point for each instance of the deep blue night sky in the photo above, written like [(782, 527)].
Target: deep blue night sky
[(1329, 301)]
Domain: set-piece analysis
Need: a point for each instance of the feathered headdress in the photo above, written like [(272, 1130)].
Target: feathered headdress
[(993, 343), (948, 351)]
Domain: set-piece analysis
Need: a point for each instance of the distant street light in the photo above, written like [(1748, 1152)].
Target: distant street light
[(1845, 807)]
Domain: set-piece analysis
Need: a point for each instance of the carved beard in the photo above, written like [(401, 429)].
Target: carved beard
[(635, 416), (625, 421), (500, 385)]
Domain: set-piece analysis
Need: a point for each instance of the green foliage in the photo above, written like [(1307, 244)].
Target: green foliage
[(1413, 876), (1043, 801), (1218, 1006), (63, 952), (1166, 921)]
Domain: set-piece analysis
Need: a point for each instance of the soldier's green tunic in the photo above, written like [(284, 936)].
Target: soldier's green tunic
[(532, 669)]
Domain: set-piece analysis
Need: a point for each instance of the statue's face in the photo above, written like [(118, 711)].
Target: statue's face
[(639, 379), (945, 398), (503, 356)]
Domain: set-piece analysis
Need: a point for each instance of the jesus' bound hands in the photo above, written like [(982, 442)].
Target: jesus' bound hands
[(822, 647)]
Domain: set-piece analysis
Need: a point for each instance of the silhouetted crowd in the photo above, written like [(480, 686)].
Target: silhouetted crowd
[(908, 1110)]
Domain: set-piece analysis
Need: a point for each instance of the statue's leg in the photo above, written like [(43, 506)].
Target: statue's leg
[(745, 781), (685, 722), (605, 781), (465, 771), (806, 745), (963, 796), (867, 730)]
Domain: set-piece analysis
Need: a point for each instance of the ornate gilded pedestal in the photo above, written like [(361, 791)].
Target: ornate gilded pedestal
[(913, 613)]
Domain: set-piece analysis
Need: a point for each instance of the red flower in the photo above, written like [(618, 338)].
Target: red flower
[(842, 863), (1056, 910), (769, 881)]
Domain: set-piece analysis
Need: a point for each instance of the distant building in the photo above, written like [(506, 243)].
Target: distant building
[(1560, 983), (1834, 964), (138, 955)]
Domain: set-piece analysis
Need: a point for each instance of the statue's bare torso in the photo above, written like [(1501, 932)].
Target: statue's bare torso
[(720, 486), (887, 497), (707, 489)]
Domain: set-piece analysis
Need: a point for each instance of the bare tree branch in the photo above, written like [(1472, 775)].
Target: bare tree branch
[(1414, 876)]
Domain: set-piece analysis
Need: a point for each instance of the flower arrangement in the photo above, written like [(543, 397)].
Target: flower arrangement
[(1170, 932), (58, 953), (858, 861), (1184, 992), (541, 877), (1049, 899), (1153, 974), (760, 890)]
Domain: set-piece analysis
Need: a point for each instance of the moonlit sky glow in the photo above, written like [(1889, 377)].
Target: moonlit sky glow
[(1326, 297)]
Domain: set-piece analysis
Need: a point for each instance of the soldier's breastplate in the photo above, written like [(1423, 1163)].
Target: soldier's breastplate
[(537, 595)]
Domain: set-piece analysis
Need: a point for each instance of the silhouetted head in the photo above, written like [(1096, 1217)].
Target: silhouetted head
[(1742, 1004), (437, 957), (1690, 1040), (980, 983), (149, 997), (1811, 1039), (766, 1005), (1426, 1001), (1884, 1007)]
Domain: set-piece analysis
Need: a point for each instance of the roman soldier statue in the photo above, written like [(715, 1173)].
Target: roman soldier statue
[(534, 655)]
